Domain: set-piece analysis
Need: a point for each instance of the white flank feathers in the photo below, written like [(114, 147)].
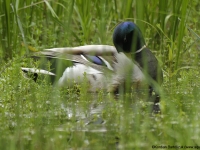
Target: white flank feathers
[(124, 69), (80, 73)]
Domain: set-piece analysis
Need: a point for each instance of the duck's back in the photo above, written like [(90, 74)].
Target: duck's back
[(148, 62)]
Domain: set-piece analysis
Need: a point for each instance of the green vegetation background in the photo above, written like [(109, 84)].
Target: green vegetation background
[(37, 116)]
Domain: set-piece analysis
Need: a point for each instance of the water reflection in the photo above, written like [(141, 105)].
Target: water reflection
[(102, 117), (92, 115)]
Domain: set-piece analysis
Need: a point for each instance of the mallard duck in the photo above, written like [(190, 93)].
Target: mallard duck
[(108, 67)]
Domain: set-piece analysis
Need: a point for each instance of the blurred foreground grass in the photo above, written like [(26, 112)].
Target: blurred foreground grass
[(38, 116)]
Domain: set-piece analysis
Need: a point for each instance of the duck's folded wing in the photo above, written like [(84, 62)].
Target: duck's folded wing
[(87, 55), (98, 50)]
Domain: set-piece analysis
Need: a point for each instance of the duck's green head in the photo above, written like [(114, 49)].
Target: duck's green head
[(127, 37)]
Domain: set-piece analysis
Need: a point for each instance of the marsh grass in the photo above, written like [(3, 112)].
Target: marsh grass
[(39, 116)]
